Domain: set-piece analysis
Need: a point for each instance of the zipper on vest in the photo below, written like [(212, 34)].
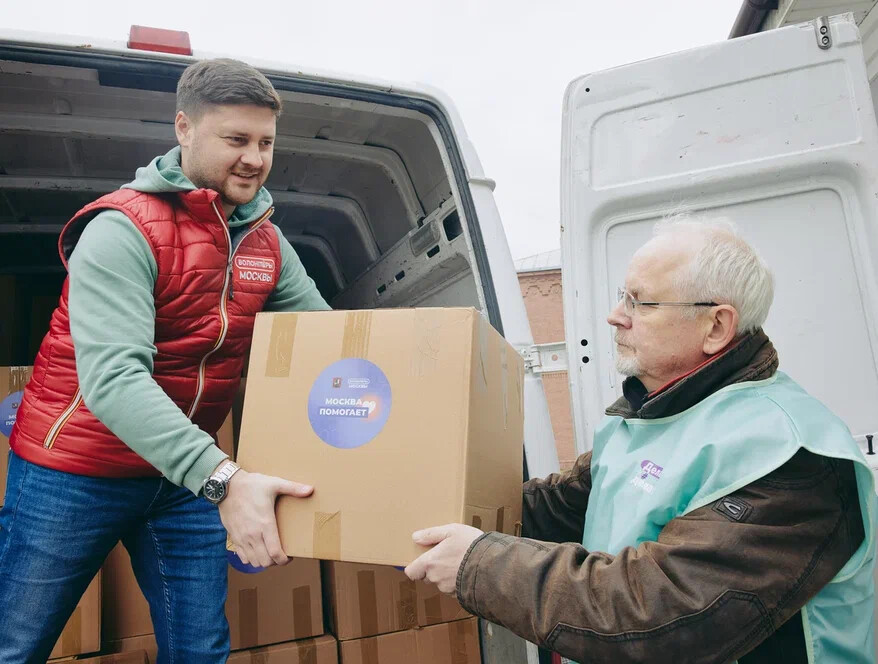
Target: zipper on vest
[(223, 310), (63, 418)]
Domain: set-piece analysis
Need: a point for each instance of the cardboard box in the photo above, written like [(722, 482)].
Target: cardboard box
[(322, 650), (449, 643), (134, 657), (125, 610), (275, 605), (401, 419), (12, 382), (146, 644), (82, 634), (367, 600), (436, 607)]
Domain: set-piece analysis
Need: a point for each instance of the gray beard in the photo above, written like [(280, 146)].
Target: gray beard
[(627, 366)]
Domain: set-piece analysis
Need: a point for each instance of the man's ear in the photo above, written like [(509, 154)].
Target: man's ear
[(183, 127), (723, 320)]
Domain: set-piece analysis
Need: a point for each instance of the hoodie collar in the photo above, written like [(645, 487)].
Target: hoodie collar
[(165, 175)]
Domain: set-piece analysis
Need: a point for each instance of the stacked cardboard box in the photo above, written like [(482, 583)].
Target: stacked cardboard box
[(368, 600), (275, 605), (322, 650), (12, 382), (446, 643), (82, 633)]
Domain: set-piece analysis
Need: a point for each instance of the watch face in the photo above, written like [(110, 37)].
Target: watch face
[(214, 490)]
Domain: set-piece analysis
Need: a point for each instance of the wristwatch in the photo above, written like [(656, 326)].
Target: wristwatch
[(216, 487)]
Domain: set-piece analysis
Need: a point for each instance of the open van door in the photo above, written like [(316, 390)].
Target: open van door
[(775, 132)]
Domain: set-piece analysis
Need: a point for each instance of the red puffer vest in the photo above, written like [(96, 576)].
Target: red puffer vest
[(206, 300)]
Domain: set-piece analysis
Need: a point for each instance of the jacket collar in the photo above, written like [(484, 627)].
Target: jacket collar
[(751, 358)]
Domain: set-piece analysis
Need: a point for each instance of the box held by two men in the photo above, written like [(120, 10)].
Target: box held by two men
[(401, 419)]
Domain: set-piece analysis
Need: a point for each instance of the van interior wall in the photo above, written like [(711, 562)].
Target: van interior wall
[(360, 190)]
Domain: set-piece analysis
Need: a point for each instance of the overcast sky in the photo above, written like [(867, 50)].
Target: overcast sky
[(505, 63)]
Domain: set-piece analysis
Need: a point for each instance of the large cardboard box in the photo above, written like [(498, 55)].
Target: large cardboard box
[(448, 643), (275, 605), (12, 382), (401, 419), (82, 633), (125, 610), (367, 600), (322, 650)]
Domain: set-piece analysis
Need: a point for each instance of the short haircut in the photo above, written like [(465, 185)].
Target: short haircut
[(224, 81)]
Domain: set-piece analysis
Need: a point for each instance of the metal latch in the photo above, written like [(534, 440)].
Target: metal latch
[(824, 36), (545, 358)]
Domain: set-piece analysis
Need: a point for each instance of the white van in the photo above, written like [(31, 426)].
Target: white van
[(384, 198)]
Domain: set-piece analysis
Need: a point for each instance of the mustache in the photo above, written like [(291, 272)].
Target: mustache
[(619, 339)]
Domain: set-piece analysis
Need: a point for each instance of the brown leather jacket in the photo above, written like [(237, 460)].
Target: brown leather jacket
[(718, 585)]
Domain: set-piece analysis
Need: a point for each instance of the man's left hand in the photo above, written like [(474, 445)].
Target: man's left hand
[(441, 563)]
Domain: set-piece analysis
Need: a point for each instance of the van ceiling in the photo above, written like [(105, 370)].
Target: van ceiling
[(349, 178)]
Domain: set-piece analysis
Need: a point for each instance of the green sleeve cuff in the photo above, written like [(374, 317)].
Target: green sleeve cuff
[(202, 468)]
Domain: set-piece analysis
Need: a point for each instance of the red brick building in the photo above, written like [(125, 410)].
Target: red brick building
[(540, 279)]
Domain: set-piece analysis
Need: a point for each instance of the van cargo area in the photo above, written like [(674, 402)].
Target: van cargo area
[(364, 191)]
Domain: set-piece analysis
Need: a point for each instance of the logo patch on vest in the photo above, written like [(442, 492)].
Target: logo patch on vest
[(733, 508), (647, 475), (254, 269)]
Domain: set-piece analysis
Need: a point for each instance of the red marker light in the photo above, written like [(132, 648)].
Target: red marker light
[(157, 39)]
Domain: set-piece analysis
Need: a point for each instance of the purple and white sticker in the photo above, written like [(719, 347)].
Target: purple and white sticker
[(8, 411), (349, 403), (241, 566)]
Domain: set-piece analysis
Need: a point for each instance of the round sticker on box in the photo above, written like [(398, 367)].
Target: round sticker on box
[(240, 565), (349, 403), (8, 410)]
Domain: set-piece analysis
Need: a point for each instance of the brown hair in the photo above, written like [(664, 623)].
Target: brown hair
[(224, 81)]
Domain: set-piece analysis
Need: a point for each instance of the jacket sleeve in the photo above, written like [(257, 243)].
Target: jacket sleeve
[(710, 589), (553, 509), (295, 290)]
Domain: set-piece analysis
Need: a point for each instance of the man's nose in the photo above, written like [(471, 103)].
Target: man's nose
[(617, 316), (252, 157)]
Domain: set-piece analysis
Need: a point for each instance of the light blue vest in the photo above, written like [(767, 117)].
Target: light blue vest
[(647, 472)]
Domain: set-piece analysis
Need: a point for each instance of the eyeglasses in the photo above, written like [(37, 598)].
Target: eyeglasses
[(631, 303)]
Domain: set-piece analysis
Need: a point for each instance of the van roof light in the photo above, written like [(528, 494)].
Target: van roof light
[(157, 39)]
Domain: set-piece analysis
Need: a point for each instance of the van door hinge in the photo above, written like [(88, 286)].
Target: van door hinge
[(824, 35), (545, 358)]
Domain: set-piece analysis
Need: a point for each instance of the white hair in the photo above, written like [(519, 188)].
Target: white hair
[(724, 269)]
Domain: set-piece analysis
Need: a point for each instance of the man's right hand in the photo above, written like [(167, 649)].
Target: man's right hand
[(248, 516)]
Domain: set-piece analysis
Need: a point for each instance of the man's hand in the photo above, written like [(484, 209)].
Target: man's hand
[(441, 563), (248, 516)]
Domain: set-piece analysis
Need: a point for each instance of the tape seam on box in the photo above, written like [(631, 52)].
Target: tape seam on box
[(367, 595), (280, 345), (327, 535), (303, 625)]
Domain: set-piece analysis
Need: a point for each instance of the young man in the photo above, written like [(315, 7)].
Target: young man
[(114, 438), (723, 514)]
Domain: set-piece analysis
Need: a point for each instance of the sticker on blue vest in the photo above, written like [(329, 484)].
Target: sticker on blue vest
[(240, 565), (8, 411), (349, 403)]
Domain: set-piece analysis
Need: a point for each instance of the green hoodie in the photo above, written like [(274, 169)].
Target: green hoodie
[(112, 322)]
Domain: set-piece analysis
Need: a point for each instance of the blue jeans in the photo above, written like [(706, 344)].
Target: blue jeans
[(56, 529)]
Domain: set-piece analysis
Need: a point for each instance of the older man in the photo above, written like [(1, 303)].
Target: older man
[(723, 514)]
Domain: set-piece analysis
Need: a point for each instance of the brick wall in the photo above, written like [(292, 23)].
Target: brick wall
[(542, 299)]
